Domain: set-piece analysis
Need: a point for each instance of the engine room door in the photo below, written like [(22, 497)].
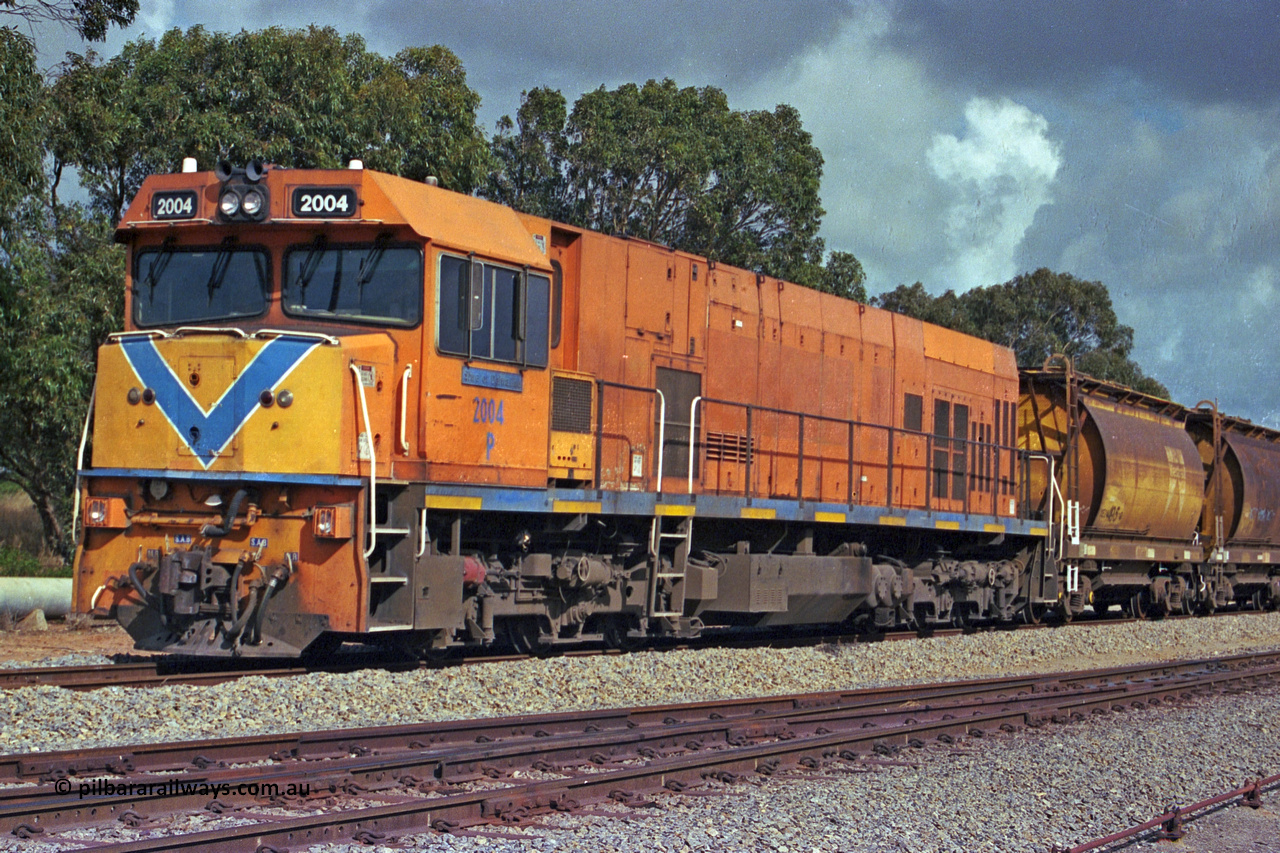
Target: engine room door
[(679, 389)]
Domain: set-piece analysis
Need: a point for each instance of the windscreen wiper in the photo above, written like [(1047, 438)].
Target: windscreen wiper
[(159, 264), (221, 263), (310, 264), (369, 263)]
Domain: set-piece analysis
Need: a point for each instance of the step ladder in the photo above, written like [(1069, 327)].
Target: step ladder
[(677, 543), (391, 563)]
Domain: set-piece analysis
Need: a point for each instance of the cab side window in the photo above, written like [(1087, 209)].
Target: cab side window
[(492, 312)]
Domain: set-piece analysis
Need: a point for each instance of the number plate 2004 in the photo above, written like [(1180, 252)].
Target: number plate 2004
[(324, 202), (173, 204)]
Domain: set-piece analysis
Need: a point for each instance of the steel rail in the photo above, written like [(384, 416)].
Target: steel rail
[(166, 670), (670, 772), (54, 806), (30, 811), (178, 755), (1170, 823)]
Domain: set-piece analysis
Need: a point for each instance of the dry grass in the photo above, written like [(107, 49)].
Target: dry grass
[(19, 525)]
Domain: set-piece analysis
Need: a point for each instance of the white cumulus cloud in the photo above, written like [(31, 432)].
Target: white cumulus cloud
[(999, 175)]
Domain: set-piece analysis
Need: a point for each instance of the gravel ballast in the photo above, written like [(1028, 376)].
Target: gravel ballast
[(1058, 784)]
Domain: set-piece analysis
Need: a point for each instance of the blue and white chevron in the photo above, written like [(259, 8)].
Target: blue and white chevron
[(208, 433)]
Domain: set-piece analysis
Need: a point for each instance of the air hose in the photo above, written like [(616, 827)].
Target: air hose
[(147, 600), (233, 508)]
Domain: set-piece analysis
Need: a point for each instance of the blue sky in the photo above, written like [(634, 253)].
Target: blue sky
[(1136, 143)]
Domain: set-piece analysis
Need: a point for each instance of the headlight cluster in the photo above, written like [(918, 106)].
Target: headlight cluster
[(243, 198)]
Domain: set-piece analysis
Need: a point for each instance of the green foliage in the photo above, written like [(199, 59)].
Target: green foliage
[(22, 139), (61, 294), (530, 157), (1036, 315), (301, 98), (843, 275), (16, 563), (671, 165), (90, 18)]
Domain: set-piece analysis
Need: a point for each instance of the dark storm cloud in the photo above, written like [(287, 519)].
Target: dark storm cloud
[(730, 40), (1204, 51), (508, 46)]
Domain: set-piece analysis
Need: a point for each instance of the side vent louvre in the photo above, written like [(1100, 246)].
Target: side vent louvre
[(571, 404), (726, 447)]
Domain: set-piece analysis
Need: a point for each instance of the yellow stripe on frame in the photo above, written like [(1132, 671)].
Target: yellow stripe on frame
[(452, 502), (993, 528), (757, 513), (837, 517), (1039, 531), (577, 507), (893, 521), (947, 525), (683, 510)]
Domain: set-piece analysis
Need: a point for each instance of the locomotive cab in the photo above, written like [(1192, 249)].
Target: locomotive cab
[(277, 387)]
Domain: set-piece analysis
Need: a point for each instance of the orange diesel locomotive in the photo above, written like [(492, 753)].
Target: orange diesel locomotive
[(348, 405)]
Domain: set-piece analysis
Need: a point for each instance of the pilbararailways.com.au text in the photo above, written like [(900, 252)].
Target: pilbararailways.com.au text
[(179, 788)]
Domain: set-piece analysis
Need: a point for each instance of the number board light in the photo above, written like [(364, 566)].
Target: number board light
[(324, 202), (175, 204)]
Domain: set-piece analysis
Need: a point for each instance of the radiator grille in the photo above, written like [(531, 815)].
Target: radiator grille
[(727, 447), (571, 404)]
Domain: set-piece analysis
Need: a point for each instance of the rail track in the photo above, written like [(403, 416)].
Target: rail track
[(167, 670), (164, 670), (449, 776)]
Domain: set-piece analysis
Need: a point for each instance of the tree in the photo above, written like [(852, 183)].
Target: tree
[(61, 294), (671, 165), (914, 301), (302, 98), (843, 275), (22, 141), (90, 18), (1036, 315), (763, 210), (529, 157)]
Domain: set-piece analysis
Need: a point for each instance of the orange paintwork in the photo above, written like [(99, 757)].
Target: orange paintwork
[(628, 309)]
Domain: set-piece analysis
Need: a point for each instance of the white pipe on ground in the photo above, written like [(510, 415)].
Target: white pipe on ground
[(20, 596)]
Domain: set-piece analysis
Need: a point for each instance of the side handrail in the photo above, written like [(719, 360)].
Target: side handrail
[(373, 463), (851, 425), (662, 434), (404, 408), (84, 439), (1053, 489), (693, 438)]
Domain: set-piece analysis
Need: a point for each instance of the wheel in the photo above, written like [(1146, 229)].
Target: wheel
[(1031, 613), (1062, 611), (1138, 606), (525, 636), (617, 634)]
